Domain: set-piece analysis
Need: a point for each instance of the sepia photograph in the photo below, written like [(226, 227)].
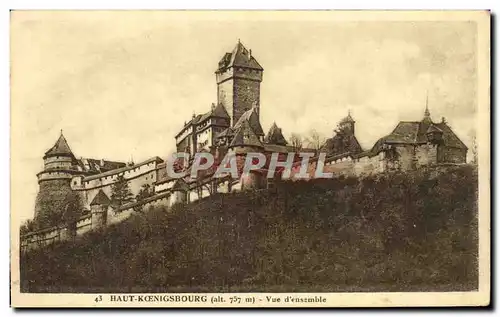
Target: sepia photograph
[(250, 158)]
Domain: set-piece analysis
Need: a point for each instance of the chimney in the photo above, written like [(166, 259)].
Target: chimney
[(249, 54), (443, 120)]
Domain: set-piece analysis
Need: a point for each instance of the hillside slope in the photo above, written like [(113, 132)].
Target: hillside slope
[(393, 232)]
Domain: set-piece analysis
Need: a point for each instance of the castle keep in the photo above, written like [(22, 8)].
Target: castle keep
[(231, 125)]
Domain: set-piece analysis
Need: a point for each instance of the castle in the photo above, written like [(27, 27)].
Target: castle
[(232, 125)]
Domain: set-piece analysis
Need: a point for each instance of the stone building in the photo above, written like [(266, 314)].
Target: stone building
[(60, 167), (238, 82), (231, 125), (344, 140), (417, 143)]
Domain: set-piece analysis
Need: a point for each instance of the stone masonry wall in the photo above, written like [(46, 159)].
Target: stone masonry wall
[(451, 155), (426, 154), (246, 94)]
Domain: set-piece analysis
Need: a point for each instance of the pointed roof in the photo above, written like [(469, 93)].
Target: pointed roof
[(227, 132), (239, 57), (434, 128), (275, 136), (415, 132), (220, 111), (347, 119), (341, 143), (60, 148), (100, 199), (427, 114), (253, 119), (245, 136)]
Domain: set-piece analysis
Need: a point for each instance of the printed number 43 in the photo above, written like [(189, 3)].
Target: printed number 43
[(98, 299)]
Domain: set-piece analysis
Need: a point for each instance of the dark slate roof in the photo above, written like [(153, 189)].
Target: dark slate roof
[(415, 132), (245, 136), (100, 199), (275, 136), (449, 137), (220, 111), (253, 119), (405, 132), (60, 148), (227, 132), (341, 144), (156, 159), (239, 57), (91, 165), (434, 128)]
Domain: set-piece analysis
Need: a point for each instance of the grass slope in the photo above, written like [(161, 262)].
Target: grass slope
[(393, 232)]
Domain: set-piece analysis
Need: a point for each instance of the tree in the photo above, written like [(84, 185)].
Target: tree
[(474, 149), (296, 141), (145, 192), (315, 140), (73, 209), (27, 227), (120, 193)]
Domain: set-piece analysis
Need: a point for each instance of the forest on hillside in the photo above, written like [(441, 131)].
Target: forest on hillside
[(412, 231)]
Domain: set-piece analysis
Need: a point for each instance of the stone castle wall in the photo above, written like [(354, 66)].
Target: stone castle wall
[(136, 176)]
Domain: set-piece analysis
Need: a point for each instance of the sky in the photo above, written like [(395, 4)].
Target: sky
[(121, 84)]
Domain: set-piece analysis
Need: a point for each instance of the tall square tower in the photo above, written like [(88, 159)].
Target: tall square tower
[(238, 82)]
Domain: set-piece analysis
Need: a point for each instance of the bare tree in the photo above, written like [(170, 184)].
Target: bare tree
[(474, 149), (296, 141), (315, 140)]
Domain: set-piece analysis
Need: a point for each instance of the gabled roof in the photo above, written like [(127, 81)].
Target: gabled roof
[(239, 57), (60, 148), (415, 132), (275, 136), (100, 199), (245, 136), (253, 119), (218, 111), (449, 137), (405, 132)]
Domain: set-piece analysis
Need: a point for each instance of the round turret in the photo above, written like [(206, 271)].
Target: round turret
[(59, 162), (60, 166)]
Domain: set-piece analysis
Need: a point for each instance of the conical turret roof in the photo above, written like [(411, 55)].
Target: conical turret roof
[(60, 148)]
